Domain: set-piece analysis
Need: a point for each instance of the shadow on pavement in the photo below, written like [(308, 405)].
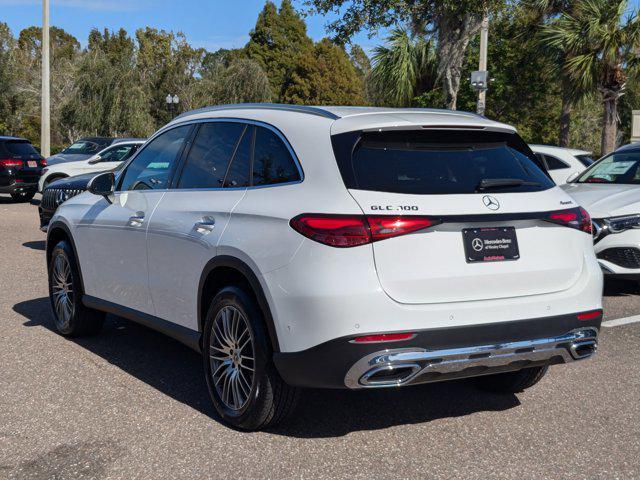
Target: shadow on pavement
[(6, 199), (620, 288), (176, 370), (35, 245)]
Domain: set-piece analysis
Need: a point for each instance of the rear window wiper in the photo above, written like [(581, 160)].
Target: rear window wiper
[(489, 183)]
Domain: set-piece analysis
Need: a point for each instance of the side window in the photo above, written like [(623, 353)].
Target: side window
[(208, 159), (272, 162), (554, 163), (116, 154), (151, 168), (239, 171)]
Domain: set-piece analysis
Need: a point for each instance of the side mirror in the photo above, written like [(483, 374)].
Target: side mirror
[(573, 177), (95, 159), (103, 184)]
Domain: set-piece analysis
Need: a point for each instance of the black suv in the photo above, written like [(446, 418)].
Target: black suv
[(20, 168)]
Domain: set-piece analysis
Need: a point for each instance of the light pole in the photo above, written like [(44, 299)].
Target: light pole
[(172, 103), (480, 79), (45, 115)]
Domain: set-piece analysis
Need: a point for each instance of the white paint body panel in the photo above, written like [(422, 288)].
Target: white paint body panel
[(566, 155), (315, 292)]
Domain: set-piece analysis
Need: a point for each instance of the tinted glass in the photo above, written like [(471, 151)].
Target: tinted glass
[(239, 170), (554, 163), (85, 147), (116, 154), (621, 168), (441, 163), (151, 168), (209, 157), (20, 148), (272, 162), (586, 160)]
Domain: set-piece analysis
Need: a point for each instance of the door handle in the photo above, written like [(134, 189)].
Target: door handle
[(136, 220), (205, 225)]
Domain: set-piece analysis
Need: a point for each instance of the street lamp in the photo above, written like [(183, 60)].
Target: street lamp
[(172, 103)]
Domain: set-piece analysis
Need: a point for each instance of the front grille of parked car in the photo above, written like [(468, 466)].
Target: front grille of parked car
[(53, 197), (624, 257)]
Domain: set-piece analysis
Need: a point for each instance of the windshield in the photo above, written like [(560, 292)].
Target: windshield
[(83, 147), (435, 163), (620, 168)]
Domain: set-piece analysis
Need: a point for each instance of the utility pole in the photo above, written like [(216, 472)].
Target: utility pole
[(482, 67), (45, 115)]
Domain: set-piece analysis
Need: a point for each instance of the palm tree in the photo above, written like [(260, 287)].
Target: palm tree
[(599, 41), (404, 68)]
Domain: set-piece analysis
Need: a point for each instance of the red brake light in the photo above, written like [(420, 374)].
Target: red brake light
[(354, 230), (577, 218), (384, 337), (386, 227), (10, 162), (590, 315), (43, 162), (333, 230)]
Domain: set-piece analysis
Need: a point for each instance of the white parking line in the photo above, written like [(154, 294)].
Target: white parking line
[(621, 321)]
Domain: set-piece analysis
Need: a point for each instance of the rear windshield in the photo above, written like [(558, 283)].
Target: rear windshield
[(438, 162), (85, 147), (20, 147)]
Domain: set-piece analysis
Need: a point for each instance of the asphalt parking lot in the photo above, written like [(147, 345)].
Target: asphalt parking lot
[(131, 403)]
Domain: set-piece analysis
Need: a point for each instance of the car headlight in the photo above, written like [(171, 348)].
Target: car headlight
[(620, 224)]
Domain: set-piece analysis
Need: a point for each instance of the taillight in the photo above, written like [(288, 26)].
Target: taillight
[(577, 218), (10, 162), (354, 230), (43, 162)]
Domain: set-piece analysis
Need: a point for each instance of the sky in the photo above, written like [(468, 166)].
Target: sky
[(211, 24)]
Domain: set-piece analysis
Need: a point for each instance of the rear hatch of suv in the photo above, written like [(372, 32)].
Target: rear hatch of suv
[(23, 158), (497, 226)]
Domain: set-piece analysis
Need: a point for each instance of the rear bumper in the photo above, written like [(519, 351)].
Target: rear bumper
[(18, 187), (442, 354)]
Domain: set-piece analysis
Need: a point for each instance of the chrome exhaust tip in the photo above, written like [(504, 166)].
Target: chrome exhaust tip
[(389, 375), (583, 349)]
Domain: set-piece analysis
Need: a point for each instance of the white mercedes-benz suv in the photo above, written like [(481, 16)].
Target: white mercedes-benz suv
[(335, 247)]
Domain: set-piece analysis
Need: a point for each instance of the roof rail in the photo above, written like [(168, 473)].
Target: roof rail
[(265, 106)]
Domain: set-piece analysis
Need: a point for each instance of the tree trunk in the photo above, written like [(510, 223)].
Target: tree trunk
[(609, 123), (565, 114), (454, 34)]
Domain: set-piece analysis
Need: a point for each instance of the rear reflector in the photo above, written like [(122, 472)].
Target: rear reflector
[(577, 218), (353, 230), (384, 337), (590, 315)]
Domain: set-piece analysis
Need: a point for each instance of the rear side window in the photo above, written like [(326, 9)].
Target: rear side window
[(18, 147), (554, 163), (239, 171), (586, 160), (212, 150), (438, 162), (272, 162)]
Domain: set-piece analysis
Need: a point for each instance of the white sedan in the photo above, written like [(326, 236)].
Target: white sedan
[(610, 192), (105, 160), (562, 163)]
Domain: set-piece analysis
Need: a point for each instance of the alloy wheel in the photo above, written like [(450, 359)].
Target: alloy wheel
[(232, 357), (62, 290)]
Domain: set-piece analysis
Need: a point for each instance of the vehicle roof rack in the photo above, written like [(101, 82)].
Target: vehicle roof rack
[(265, 106)]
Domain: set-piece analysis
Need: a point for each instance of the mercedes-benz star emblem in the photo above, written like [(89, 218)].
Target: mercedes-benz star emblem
[(61, 197), (490, 202), (477, 244)]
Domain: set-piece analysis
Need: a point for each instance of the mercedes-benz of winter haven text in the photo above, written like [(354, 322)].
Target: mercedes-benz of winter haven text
[(333, 247)]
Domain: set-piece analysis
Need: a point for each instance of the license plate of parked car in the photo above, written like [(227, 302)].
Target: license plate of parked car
[(492, 244), (32, 164)]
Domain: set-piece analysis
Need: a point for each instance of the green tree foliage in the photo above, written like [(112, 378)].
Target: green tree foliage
[(452, 23), (324, 75), (242, 80), (404, 68), (8, 83), (277, 42), (600, 41)]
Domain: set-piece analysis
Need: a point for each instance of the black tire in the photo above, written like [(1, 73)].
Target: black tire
[(269, 399), (81, 320), (23, 196), (511, 382)]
